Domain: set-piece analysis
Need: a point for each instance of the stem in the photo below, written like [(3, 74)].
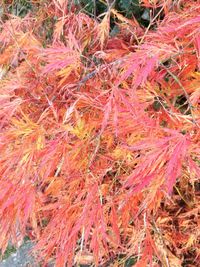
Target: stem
[(185, 92)]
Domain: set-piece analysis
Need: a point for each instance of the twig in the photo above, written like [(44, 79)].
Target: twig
[(59, 167), (165, 254), (95, 9), (18, 46), (82, 238), (93, 73), (151, 23), (182, 197), (185, 92)]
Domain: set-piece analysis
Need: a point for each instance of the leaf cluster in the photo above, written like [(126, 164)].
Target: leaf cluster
[(99, 134)]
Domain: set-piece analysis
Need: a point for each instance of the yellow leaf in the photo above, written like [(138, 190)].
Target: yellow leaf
[(191, 241), (104, 28), (79, 130), (40, 142), (25, 158)]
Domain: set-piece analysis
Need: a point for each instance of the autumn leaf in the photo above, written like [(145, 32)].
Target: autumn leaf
[(99, 133)]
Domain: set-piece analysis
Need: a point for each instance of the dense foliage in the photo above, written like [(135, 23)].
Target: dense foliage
[(99, 132)]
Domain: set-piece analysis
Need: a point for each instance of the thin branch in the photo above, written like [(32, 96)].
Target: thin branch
[(184, 90), (164, 250), (18, 46), (151, 23), (93, 73), (95, 9)]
